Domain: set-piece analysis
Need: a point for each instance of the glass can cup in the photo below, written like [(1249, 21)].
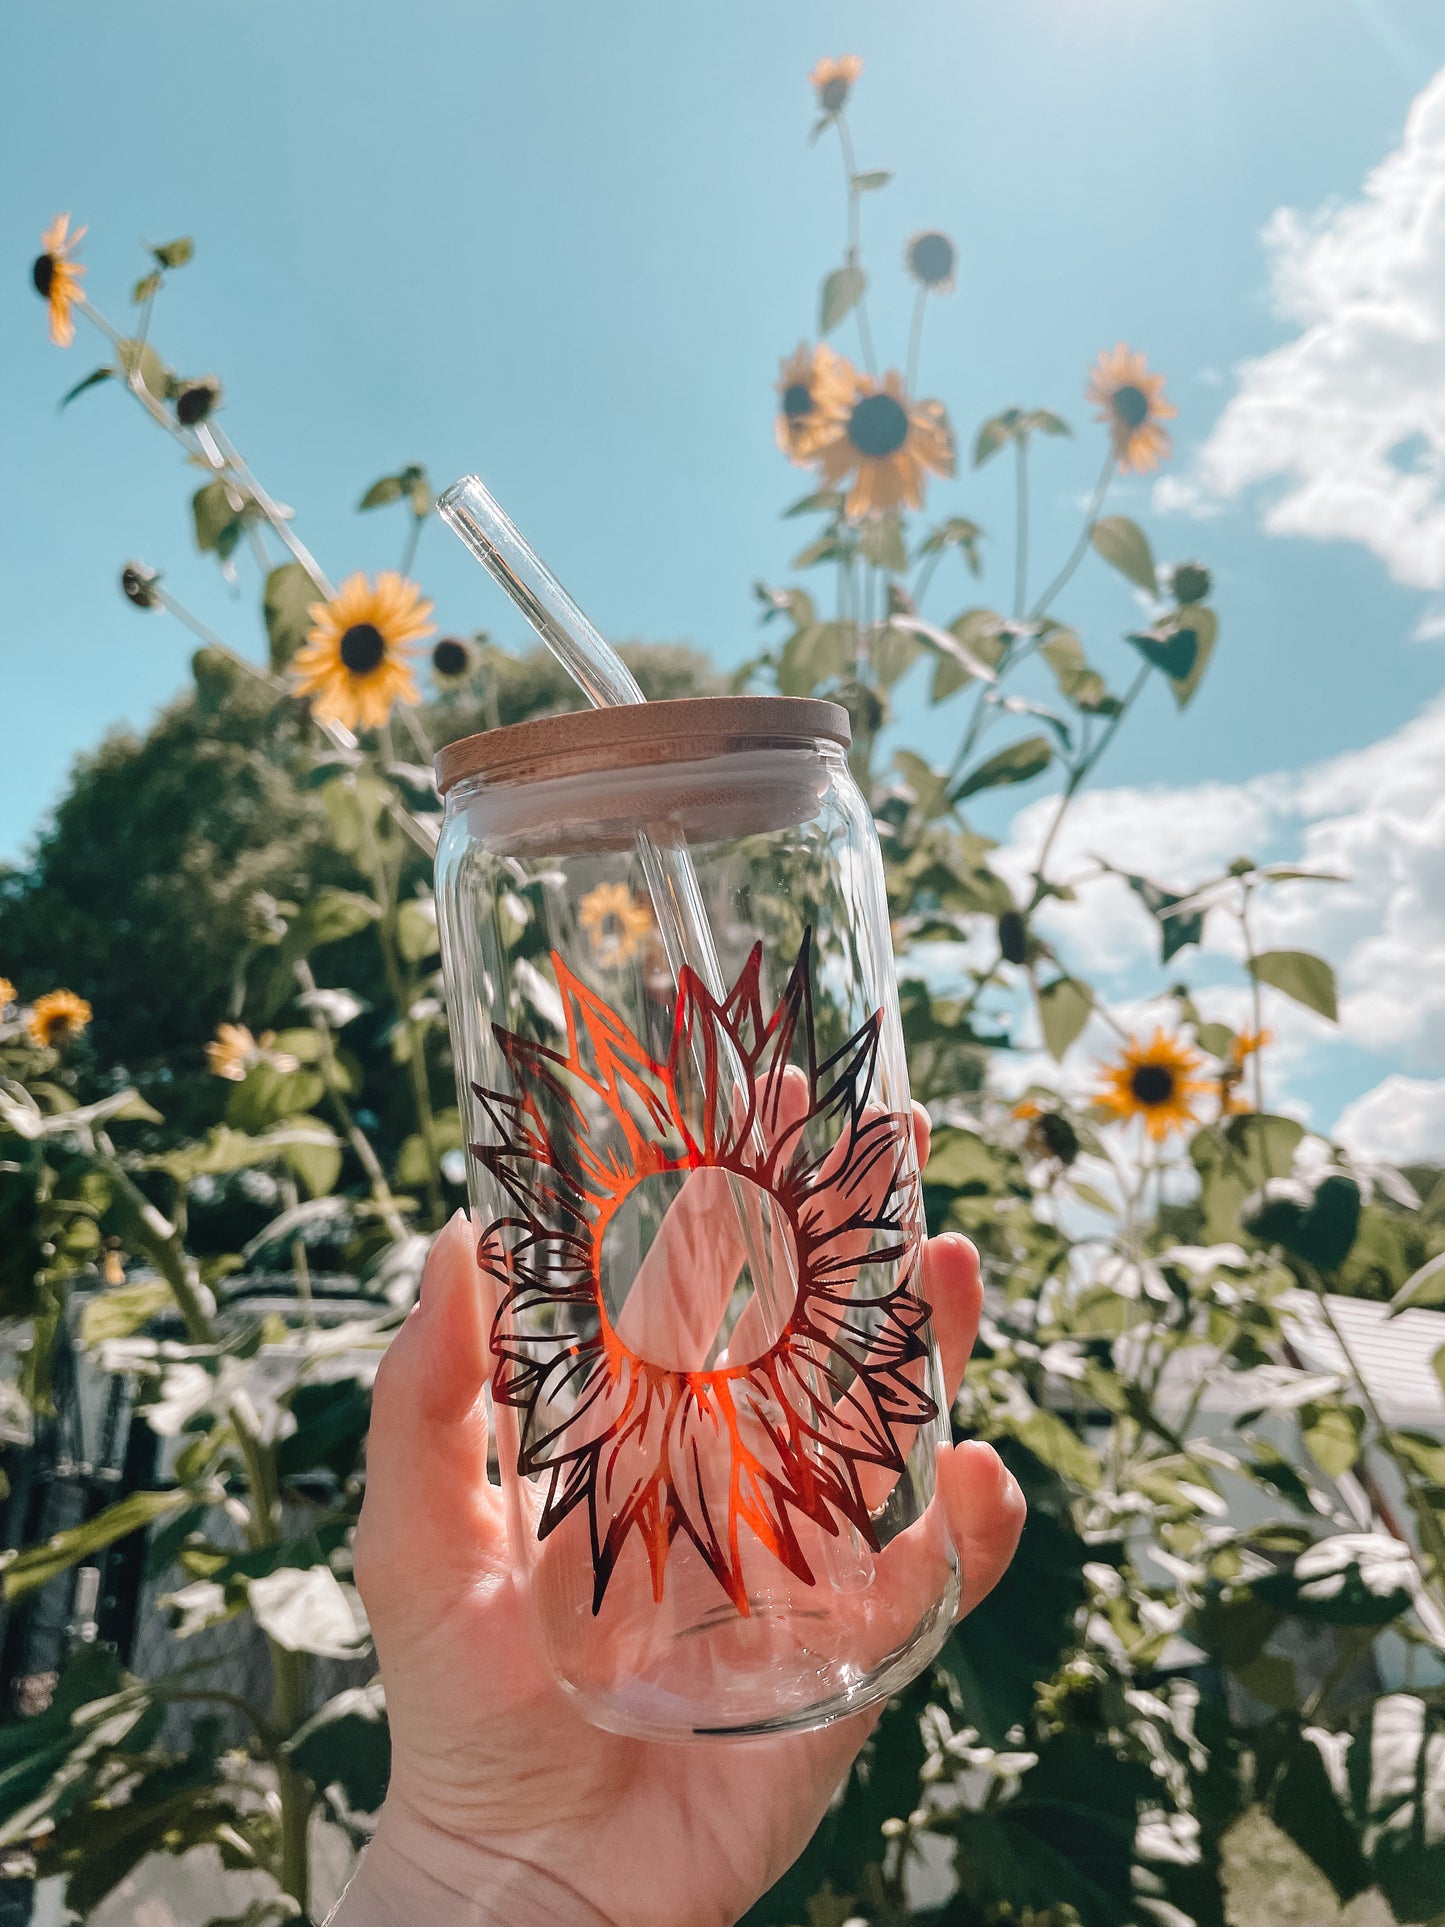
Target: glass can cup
[(716, 1396)]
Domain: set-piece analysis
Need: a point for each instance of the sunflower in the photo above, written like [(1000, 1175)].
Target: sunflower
[(355, 665), (57, 1017), (757, 1449), (832, 81), (57, 277), (1131, 401), (617, 924), (815, 392), (234, 1051), (1155, 1081), (885, 443), (931, 259), (7, 994), (1232, 1101), (452, 660)]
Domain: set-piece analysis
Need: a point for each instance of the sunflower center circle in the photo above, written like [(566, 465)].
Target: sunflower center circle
[(1152, 1084), (677, 1274), (1131, 405), (43, 273), (878, 426), (797, 400), (932, 259), (363, 648), (450, 657)]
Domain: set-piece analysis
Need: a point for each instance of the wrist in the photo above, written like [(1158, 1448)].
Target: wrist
[(416, 1874)]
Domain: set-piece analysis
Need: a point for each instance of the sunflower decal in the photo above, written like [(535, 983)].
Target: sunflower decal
[(734, 1457), (884, 445), (1131, 403)]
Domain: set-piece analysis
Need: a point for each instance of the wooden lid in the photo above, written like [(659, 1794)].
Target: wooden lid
[(688, 729)]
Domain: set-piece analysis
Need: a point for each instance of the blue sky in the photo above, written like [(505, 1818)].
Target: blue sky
[(567, 246)]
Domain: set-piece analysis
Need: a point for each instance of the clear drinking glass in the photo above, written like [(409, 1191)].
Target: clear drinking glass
[(716, 1395)]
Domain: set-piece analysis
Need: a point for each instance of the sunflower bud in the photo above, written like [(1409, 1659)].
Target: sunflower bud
[(196, 401), (1191, 582), (1052, 1135), (931, 259), (1013, 937), (138, 584), (451, 659)]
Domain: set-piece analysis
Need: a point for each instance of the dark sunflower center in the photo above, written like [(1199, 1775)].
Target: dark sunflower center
[(878, 426), (832, 94), (363, 648), (43, 273), (1152, 1084), (449, 658), (932, 259), (194, 404), (1131, 405), (797, 400)]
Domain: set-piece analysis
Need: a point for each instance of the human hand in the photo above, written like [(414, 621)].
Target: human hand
[(505, 1804)]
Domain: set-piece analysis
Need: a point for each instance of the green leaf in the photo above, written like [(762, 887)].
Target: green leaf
[(388, 489), (1125, 547), (816, 655), (306, 1611), (1264, 1144), (1333, 1435), (1019, 763), (1044, 421), (334, 913), (92, 380), (1172, 653), (1055, 1444), (119, 1312), (1322, 1232), (1175, 933), (25, 1572), (1308, 979), (148, 285), (880, 541), (995, 433), (842, 291), (347, 1743), (1064, 1007), (286, 603), (1204, 625), (877, 177), (825, 501), (312, 1151), (175, 254), (140, 362), (929, 785), (416, 928), (1423, 1289), (217, 510)]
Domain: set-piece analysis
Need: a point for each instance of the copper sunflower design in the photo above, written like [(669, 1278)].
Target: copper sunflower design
[(815, 391), (885, 444), (737, 1456), (56, 277), (1131, 401)]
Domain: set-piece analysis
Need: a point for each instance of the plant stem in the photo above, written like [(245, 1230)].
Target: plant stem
[(212, 641), (915, 339), (408, 554), (1079, 777), (865, 333), (1021, 549), (1256, 990), (380, 1190), (1081, 547)]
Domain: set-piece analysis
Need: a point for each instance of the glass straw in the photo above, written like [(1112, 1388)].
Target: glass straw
[(471, 511)]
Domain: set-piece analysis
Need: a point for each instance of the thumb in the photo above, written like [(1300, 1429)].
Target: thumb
[(429, 1507)]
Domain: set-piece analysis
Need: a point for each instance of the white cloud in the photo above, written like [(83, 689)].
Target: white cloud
[(1401, 1120), (1375, 816), (1350, 413)]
